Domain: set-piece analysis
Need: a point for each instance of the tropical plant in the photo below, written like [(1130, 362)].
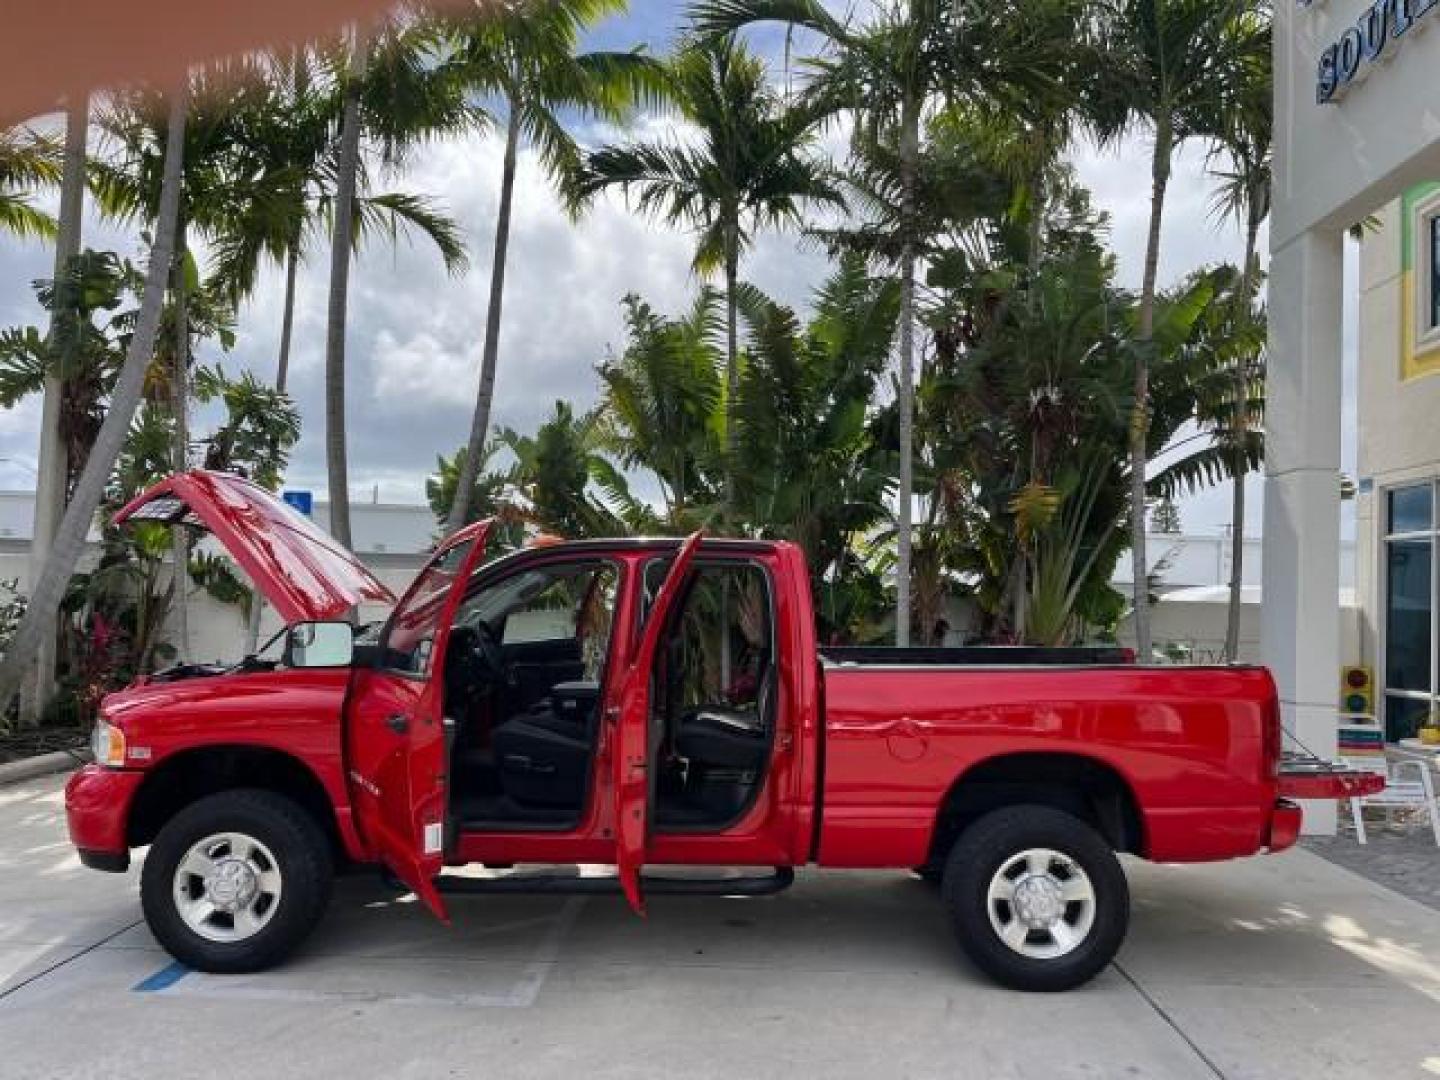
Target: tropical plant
[(49, 590), (523, 57), (891, 71), (807, 468), (29, 163), (663, 405), (747, 168), (82, 353), (285, 187), (1167, 64)]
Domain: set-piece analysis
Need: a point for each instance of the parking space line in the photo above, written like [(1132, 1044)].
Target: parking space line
[(163, 979), (67, 960), (1173, 1024), (177, 980)]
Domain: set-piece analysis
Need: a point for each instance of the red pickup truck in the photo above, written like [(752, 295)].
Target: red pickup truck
[(648, 703)]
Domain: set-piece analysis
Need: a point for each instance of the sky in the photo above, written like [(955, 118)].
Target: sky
[(415, 333)]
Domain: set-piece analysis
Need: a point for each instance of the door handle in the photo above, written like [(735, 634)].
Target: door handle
[(399, 723)]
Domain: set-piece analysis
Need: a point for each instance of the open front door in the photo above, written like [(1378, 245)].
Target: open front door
[(634, 737), (396, 746)]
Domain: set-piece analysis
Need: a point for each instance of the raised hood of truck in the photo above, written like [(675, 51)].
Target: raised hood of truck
[(301, 570)]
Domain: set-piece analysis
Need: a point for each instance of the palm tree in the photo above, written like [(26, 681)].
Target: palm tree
[(337, 308), (1168, 64), (128, 187), (1227, 384), (52, 468), (28, 162), (38, 623), (890, 72), (747, 170), (523, 56), (285, 186), (1246, 136), (396, 89)]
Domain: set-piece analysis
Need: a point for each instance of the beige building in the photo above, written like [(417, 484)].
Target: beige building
[(1399, 455), (1357, 127)]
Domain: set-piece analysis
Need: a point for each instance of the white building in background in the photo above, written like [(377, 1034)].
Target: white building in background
[(1357, 126)]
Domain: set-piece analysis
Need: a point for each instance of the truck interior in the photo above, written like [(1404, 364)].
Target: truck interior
[(525, 677)]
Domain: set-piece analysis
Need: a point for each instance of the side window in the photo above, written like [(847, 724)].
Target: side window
[(721, 647), (410, 634), (567, 605)]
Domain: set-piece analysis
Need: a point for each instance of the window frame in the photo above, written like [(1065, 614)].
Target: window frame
[(1387, 538), (1425, 301)]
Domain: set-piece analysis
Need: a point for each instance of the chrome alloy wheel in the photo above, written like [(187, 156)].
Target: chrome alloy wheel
[(1041, 904), (227, 887)]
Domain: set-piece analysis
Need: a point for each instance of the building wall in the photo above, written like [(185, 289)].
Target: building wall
[(1399, 399)]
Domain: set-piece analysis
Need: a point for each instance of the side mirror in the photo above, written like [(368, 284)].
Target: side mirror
[(320, 645)]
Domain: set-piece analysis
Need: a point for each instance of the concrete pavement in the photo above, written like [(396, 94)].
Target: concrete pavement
[(1276, 967)]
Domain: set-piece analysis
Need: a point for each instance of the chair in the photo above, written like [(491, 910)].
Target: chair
[(1399, 792)]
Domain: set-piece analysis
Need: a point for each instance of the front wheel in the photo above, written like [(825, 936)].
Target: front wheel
[(236, 881), (1037, 898)]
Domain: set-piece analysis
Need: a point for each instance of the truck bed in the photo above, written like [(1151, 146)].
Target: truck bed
[(977, 656)]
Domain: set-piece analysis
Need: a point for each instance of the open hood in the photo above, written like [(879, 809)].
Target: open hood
[(302, 571)]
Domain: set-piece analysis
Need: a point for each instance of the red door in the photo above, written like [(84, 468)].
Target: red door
[(636, 734), (396, 744)]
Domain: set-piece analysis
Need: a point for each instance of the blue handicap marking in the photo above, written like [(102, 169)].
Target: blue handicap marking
[(163, 979)]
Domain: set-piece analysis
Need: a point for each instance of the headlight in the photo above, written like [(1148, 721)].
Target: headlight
[(107, 745)]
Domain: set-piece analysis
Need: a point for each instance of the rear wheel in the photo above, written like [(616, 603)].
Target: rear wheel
[(236, 881), (1037, 898)]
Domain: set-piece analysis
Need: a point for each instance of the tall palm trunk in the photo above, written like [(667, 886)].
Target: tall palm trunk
[(732, 357), (287, 319), (909, 163), (1241, 427), (38, 622), (1140, 414), (340, 245), (485, 395), (282, 376), (53, 467), (179, 410)]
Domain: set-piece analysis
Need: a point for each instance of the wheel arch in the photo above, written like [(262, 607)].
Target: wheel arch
[(186, 776), (1088, 787)]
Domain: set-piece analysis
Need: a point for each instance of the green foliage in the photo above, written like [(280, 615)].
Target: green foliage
[(29, 163)]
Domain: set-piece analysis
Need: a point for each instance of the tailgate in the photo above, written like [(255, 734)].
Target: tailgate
[(1302, 776)]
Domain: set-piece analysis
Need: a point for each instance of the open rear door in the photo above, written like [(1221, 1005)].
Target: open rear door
[(634, 745), (396, 746)]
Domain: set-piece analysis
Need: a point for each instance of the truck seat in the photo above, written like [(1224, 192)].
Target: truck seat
[(724, 737), (543, 754)]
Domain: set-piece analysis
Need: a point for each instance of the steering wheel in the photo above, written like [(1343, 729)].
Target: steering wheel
[(490, 657), (474, 663)]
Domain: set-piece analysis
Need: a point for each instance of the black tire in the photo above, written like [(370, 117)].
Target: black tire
[(996, 840), (302, 856)]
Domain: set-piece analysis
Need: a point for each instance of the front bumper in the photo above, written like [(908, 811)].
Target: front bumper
[(97, 807)]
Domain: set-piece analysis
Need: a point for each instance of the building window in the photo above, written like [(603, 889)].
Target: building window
[(1420, 255), (1411, 603), (1433, 318)]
